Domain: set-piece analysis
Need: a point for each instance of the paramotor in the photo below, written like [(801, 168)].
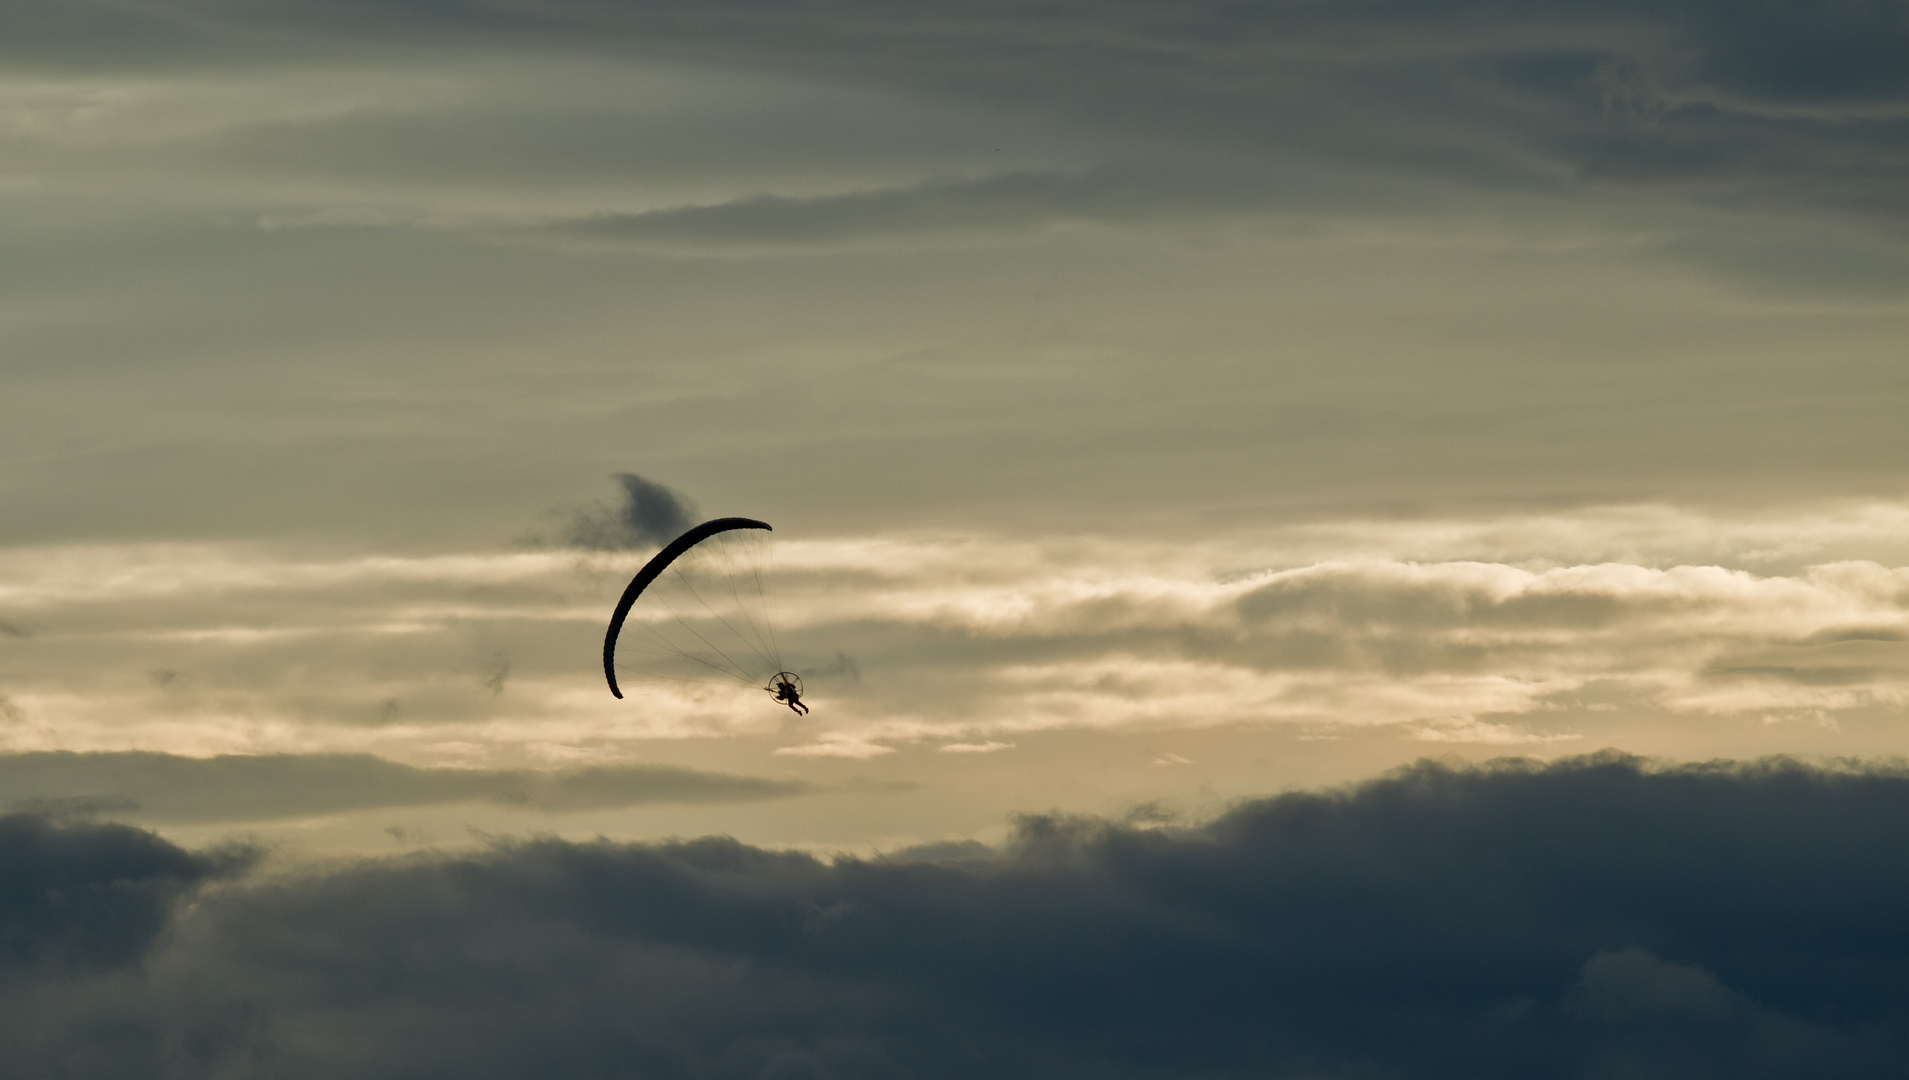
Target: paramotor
[(697, 615)]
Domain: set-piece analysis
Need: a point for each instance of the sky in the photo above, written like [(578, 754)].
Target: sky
[(1256, 488)]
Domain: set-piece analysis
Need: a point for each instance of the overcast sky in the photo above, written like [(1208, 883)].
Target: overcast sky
[(1158, 406)]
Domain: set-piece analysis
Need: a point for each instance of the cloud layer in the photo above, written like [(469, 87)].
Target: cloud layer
[(394, 276), (1209, 107), (231, 788), (1600, 916), (1452, 631)]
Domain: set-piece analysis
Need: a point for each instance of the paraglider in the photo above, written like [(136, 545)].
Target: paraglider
[(697, 615)]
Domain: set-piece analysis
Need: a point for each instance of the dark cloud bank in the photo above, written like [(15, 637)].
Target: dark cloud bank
[(1596, 918)]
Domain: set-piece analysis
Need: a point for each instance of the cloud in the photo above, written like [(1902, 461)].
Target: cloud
[(1007, 204), (1486, 733), (837, 746), (168, 788), (651, 515), (1787, 105), (988, 747), (1779, 52), (494, 674), (88, 895), (1632, 983), (1597, 916), (1476, 633)]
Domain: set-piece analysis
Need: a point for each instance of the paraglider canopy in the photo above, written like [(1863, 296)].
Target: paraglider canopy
[(700, 613)]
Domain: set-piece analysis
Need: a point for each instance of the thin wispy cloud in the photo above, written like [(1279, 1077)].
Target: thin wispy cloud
[(157, 787)]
